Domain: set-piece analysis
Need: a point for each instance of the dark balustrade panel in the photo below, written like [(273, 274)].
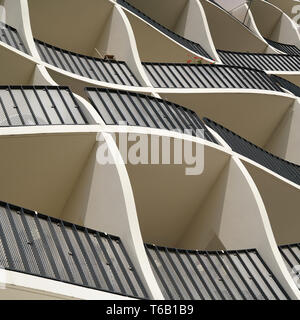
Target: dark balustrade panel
[(10, 36), (286, 48), (213, 275), (42, 246), (176, 75), (89, 67), (286, 85), (291, 256), (190, 45), (260, 61), (122, 107), (38, 105), (240, 145)]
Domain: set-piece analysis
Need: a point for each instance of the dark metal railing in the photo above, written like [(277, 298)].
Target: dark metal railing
[(10, 36), (190, 45), (126, 108), (286, 48), (176, 75), (240, 145), (261, 61), (97, 69), (213, 275), (291, 256), (286, 85), (42, 246), (38, 105)]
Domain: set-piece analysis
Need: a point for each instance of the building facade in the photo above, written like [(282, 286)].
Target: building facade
[(149, 150)]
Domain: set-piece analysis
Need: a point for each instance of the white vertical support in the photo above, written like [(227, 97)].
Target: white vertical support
[(17, 16), (118, 38), (192, 24), (285, 139), (103, 200)]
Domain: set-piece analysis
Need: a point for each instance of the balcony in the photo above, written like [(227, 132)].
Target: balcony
[(274, 24), (85, 66), (284, 168), (213, 275), (171, 75), (266, 62), (39, 105), (50, 248), (10, 36), (283, 47), (132, 109), (239, 34), (188, 44)]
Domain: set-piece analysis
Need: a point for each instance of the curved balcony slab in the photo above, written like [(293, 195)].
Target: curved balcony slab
[(213, 275), (282, 167), (188, 44), (266, 62), (132, 109), (51, 248), (171, 75), (39, 105), (236, 109)]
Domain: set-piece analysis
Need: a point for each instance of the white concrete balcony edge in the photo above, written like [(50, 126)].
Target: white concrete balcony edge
[(19, 286)]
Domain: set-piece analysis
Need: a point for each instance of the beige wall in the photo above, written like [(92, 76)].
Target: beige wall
[(285, 140), (236, 38)]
